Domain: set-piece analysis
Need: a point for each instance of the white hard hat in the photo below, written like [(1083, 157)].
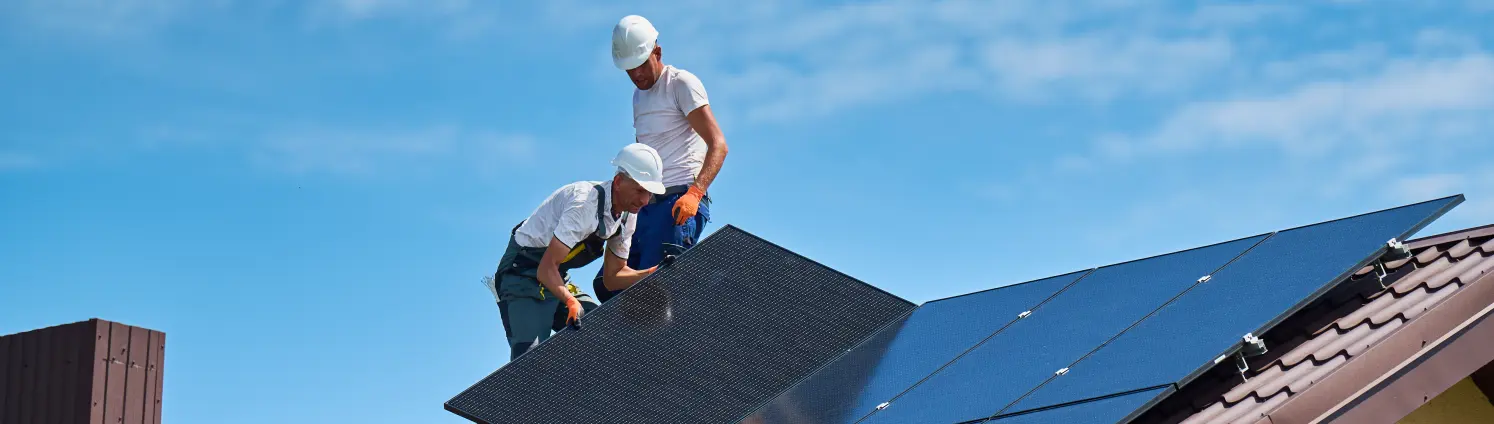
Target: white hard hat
[(632, 42), (642, 164)]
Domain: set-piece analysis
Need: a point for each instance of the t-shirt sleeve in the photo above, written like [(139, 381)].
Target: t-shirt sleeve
[(622, 243), (690, 94), (577, 221)]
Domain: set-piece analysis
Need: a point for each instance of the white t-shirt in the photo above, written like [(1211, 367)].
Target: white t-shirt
[(570, 215), (659, 122)]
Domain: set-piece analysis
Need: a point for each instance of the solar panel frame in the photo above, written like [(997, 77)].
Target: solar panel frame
[(892, 334), (1452, 202), (720, 284), (1449, 203), (1044, 415), (1126, 271)]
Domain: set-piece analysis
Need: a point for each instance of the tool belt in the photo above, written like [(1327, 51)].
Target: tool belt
[(675, 191)]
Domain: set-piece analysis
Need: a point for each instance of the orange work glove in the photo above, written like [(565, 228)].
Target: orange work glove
[(573, 311), (688, 205)]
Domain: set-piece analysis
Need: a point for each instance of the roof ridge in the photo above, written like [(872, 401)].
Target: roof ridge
[(1445, 249), (1466, 233)]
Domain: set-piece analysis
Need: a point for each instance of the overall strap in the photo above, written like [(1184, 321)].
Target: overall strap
[(602, 214)]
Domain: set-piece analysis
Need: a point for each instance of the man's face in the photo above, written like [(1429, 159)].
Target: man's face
[(645, 75), (627, 195)]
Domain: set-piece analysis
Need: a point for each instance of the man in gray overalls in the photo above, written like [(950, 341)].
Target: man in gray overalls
[(568, 231)]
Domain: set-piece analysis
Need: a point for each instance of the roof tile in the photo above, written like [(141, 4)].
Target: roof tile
[(1427, 255), (1404, 285), (1460, 250), (1347, 328)]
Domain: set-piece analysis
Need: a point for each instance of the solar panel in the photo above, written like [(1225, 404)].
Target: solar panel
[(1272, 280), (904, 353), (1101, 411), (1058, 332), (733, 322)]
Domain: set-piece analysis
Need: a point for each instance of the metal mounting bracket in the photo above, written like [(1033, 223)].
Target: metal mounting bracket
[(1254, 346), (1381, 273), (1396, 250)]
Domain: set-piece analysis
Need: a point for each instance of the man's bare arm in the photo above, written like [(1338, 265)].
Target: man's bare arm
[(704, 123), (617, 276), (549, 269)]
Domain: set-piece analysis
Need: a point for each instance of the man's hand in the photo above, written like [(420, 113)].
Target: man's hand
[(573, 311), (686, 207)]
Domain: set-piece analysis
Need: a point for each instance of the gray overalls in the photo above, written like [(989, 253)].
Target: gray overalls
[(529, 313)]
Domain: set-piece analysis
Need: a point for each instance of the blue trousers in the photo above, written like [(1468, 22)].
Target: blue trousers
[(655, 228)]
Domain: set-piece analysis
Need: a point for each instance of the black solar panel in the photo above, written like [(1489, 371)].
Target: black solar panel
[(1117, 333), (735, 321), (1286, 270), (904, 353), (1063, 329)]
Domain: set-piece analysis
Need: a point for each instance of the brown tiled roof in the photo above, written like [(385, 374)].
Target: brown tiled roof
[(1316, 342)]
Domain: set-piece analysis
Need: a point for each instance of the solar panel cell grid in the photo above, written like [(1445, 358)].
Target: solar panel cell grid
[(1291, 268), (1060, 331), (904, 353)]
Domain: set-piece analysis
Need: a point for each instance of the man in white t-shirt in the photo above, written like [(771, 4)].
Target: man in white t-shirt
[(568, 231), (672, 114)]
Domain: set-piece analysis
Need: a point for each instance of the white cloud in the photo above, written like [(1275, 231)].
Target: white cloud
[(16, 161), (353, 152), (1101, 67), (1476, 185), (103, 18), (1408, 101), (458, 18), (1429, 186), (364, 152), (1341, 63), (108, 19), (367, 9), (1238, 14), (784, 60), (1353, 126), (1443, 40)]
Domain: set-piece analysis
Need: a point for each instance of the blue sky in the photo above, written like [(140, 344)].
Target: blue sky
[(304, 195)]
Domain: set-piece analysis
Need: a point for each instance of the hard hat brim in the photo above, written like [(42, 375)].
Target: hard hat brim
[(629, 62), (654, 187)]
